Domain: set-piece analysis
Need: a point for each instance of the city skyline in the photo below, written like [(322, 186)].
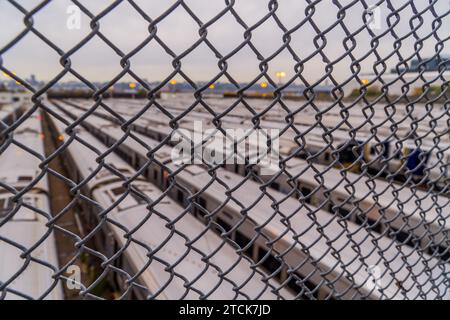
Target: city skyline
[(127, 29)]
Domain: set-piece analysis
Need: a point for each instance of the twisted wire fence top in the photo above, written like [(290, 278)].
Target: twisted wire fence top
[(348, 199)]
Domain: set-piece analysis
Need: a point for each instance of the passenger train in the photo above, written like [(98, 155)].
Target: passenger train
[(384, 207), (161, 246), (27, 244), (401, 158), (296, 242)]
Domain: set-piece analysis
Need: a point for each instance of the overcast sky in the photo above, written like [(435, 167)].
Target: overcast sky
[(127, 29)]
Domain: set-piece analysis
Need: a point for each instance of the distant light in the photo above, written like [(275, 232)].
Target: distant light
[(280, 74), (173, 82), (41, 136), (132, 85), (364, 81), (212, 86), (264, 84), (61, 137)]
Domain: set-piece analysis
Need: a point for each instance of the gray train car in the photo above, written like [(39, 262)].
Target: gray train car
[(285, 228), (165, 248), (27, 246), (389, 209)]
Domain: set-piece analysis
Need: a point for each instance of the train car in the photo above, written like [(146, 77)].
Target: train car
[(347, 153), (373, 208), (385, 156), (27, 249), (340, 136), (425, 164), (385, 207), (241, 224), (169, 251), (400, 160), (305, 223), (437, 168), (426, 160)]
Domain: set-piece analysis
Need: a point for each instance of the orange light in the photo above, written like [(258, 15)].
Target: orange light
[(280, 74), (212, 86), (364, 81), (61, 137), (264, 84), (132, 85), (173, 82)]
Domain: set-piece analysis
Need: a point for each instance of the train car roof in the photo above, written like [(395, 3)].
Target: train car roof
[(328, 119), (387, 193), (84, 155), (154, 232), (19, 167), (36, 278), (296, 166), (263, 212), (162, 154)]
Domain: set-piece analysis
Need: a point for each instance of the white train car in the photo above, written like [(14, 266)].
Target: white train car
[(401, 160), (294, 228), (314, 143), (383, 207), (387, 208), (394, 155), (372, 207), (27, 246), (358, 117), (240, 224), (169, 251)]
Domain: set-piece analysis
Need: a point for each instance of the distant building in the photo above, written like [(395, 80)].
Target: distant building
[(34, 82), (427, 64)]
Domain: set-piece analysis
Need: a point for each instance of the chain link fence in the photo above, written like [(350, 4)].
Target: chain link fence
[(296, 184)]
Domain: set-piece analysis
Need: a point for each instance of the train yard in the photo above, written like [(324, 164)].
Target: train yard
[(352, 191)]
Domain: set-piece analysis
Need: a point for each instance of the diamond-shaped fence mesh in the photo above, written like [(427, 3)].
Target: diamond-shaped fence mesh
[(308, 161)]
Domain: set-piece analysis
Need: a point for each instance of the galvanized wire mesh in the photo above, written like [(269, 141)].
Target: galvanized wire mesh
[(358, 229)]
